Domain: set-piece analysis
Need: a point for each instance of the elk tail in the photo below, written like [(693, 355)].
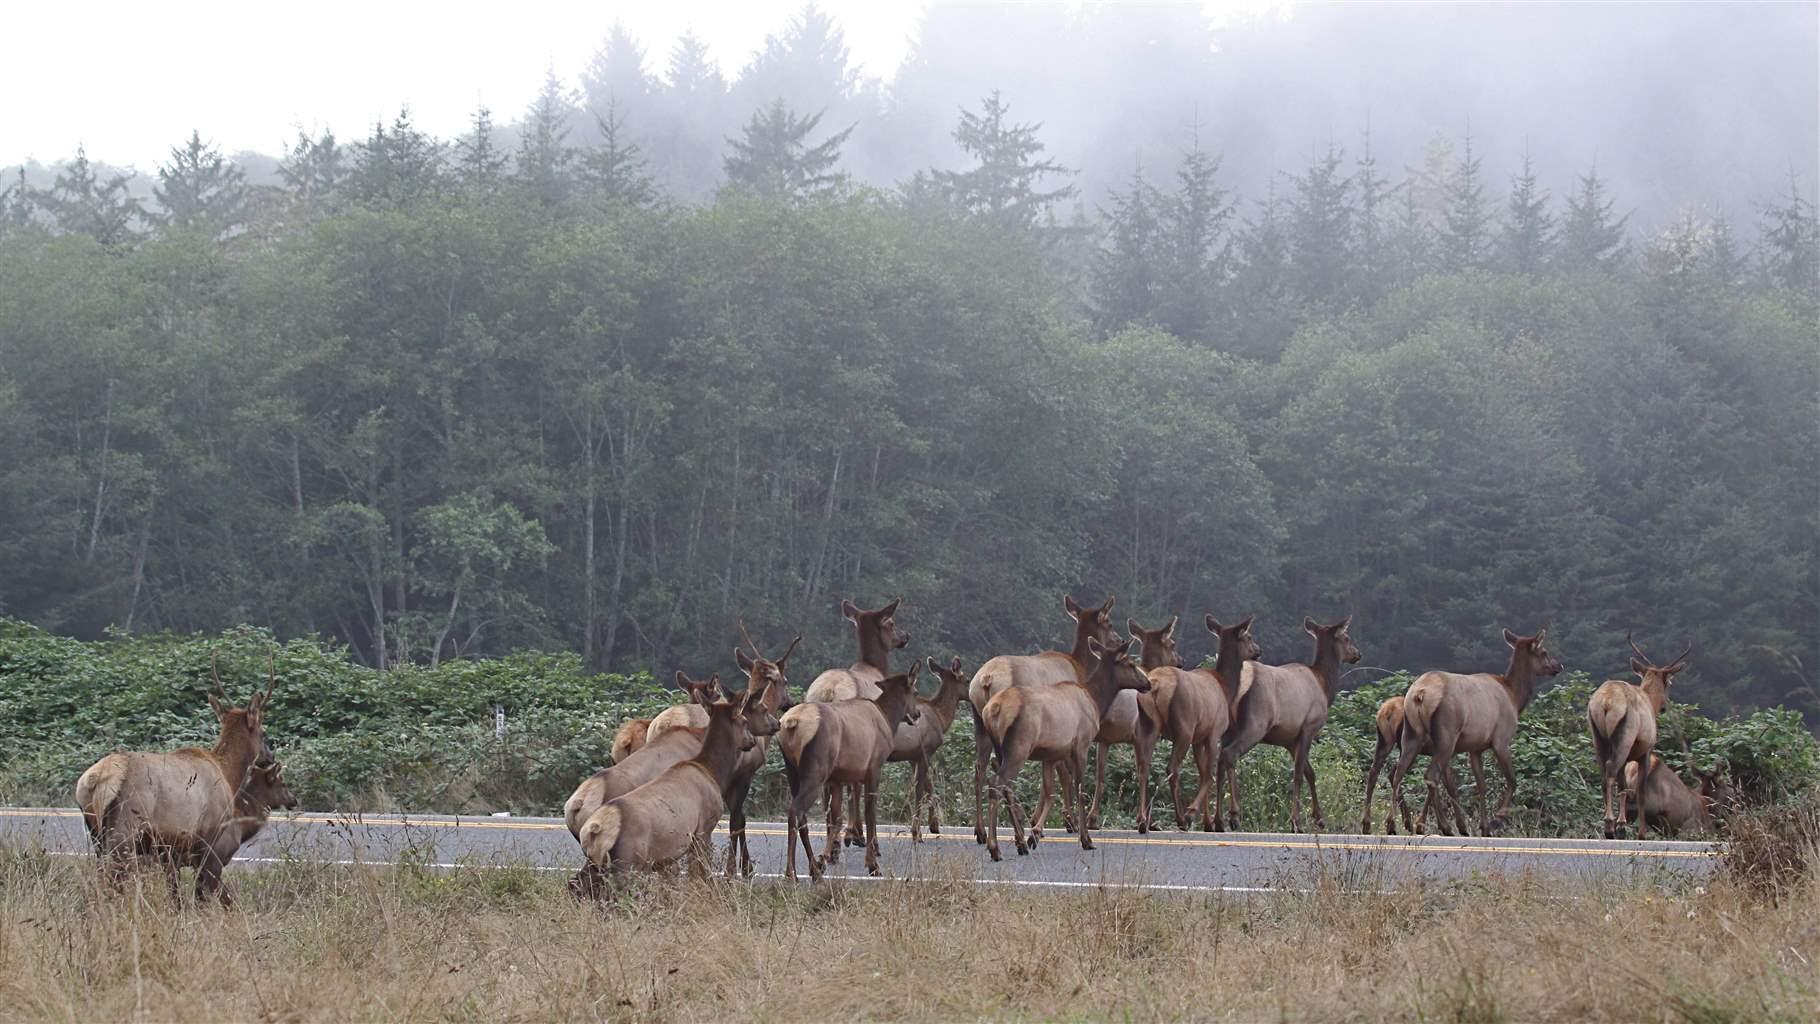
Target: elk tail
[(572, 808), (799, 726), (599, 835), (1419, 707), (999, 713), (98, 795)]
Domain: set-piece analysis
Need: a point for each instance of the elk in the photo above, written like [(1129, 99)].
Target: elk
[(1193, 713), (1390, 733), (1008, 671), (1623, 717), (845, 741), (1445, 713), (690, 714), (1133, 719), (675, 813), (1673, 804), (1055, 723), (629, 738), (878, 636), (917, 743), (183, 808), (1286, 706), (655, 757), (770, 681)]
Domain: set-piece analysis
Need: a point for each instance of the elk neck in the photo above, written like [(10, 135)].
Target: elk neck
[(235, 752), (1519, 680), (1081, 655), (1102, 686), (891, 702), (946, 701), (720, 746), (1228, 668), (872, 649), (1655, 691), (1326, 666)]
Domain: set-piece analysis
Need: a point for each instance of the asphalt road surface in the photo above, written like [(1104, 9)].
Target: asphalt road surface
[(1198, 861)]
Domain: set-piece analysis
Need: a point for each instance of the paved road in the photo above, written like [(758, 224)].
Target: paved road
[(1163, 860)]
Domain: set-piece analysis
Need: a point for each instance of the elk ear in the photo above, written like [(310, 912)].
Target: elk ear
[(1345, 622), (1511, 638), (849, 612), (744, 662), (682, 681), (916, 669), (1068, 605), (1213, 624), (954, 666), (1132, 627), (1540, 634), (890, 609), (1106, 609), (1095, 648), (1245, 627), (1169, 630), (1308, 624), (215, 706)]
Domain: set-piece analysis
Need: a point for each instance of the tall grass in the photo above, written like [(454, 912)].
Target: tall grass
[(310, 942)]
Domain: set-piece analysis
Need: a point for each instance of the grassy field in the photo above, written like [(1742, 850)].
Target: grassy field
[(310, 942)]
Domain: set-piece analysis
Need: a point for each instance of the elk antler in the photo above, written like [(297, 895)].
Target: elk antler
[(747, 637), (1639, 650), (787, 651), (1684, 654), (271, 677), (216, 675)]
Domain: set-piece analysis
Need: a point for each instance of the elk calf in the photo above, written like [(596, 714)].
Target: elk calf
[(1055, 723), (1672, 804), (675, 814), (1623, 722), (845, 742), (917, 742)]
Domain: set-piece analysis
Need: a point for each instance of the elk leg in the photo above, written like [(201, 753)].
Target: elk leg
[(1477, 760), (926, 773), (736, 830), (1099, 783), (872, 825), (1204, 760), (1371, 784), (1077, 771), (1438, 777), (1406, 757), (853, 835), (701, 849), (981, 751), (1146, 749), (1642, 795), (1184, 820), (1459, 813), (1040, 817), (1501, 751), (831, 844), (1317, 819)]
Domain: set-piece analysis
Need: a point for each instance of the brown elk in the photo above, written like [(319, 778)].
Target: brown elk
[(845, 741), (1134, 721), (917, 743), (1623, 717), (1390, 734), (629, 738), (1054, 723), (626, 774), (1673, 804), (1193, 713), (691, 713), (675, 813), (770, 680), (1011, 671), (1445, 713), (184, 808), (878, 636), (1286, 706)]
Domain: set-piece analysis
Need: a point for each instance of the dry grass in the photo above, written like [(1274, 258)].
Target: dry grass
[(326, 943)]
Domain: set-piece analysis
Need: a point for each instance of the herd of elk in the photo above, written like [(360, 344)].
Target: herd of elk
[(673, 776)]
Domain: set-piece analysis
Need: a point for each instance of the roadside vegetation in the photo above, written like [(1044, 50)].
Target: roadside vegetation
[(311, 942)]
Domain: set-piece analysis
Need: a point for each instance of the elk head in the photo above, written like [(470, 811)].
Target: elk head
[(1718, 790), (243, 728), (1156, 646), (1335, 641), (1115, 665), (1236, 638), (264, 788), (1091, 622), (900, 691), (950, 675), (763, 674), (700, 691), (1653, 678), (1530, 652), (877, 628)]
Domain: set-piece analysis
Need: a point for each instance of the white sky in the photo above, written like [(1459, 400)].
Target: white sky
[(130, 80)]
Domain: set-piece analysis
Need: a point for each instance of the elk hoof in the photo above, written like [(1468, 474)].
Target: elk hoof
[(979, 835), (1022, 850), (1206, 824), (1093, 821), (1086, 842), (872, 869), (1036, 834), (934, 829)]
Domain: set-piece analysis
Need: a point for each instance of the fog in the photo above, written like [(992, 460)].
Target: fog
[(1679, 106)]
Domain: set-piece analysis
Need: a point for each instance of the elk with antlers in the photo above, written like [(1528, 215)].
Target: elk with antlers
[(1193, 713), (917, 742), (184, 808), (1007, 672), (1445, 713), (1623, 721), (878, 636), (1054, 723), (845, 741), (675, 813), (1286, 706)]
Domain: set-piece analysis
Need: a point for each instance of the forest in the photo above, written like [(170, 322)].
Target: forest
[(612, 375)]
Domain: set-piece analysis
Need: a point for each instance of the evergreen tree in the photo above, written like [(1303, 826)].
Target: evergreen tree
[(1529, 229), (1411, 245), (396, 167), (313, 171), (807, 67), (479, 165), (16, 204), (1192, 241), (200, 190), (1263, 285), (692, 75), (1002, 186), (1466, 222), (1374, 199), (685, 143), (616, 75), (1125, 271), (544, 168), (1724, 263), (1791, 243), (773, 155), (1590, 238), (81, 203), (616, 169), (1321, 229)]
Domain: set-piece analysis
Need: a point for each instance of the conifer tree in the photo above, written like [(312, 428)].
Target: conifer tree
[(1465, 221), (773, 155), (1591, 239), (1527, 240), (1003, 183), (200, 190)]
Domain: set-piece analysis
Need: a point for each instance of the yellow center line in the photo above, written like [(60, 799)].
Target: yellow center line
[(1417, 846)]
